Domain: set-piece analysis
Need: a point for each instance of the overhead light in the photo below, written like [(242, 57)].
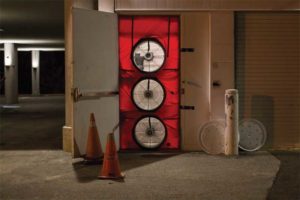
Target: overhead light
[(40, 49), (35, 59), (1, 29), (33, 41)]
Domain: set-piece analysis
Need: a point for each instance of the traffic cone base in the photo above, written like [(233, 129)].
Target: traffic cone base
[(111, 176), (94, 154), (111, 166)]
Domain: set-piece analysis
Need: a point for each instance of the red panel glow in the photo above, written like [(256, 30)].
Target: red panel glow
[(166, 30)]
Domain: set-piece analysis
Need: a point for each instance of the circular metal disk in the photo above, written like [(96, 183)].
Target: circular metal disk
[(253, 134), (212, 137), (149, 132), (148, 55), (148, 94)]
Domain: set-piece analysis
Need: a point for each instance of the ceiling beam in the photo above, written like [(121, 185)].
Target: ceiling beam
[(206, 5)]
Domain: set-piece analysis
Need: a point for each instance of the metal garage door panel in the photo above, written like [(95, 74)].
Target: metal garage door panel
[(268, 73), (95, 69)]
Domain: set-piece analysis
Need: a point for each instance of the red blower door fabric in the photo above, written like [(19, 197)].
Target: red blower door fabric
[(165, 30)]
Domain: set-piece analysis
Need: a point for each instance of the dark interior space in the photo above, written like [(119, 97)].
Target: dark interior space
[(24, 72), (1, 72), (52, 72), (48, 110)]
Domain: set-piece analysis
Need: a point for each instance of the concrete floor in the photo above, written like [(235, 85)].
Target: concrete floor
[(37, 124), (287, 182), (32, 166)]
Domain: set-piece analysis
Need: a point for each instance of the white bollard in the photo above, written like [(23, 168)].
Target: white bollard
[(231, 120)]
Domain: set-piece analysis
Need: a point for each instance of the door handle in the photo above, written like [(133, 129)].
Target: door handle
[(89, 95)]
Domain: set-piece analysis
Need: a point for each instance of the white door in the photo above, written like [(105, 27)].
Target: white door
[(95, 50)]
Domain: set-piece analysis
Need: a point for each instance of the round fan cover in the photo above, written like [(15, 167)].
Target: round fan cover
[(149, 132), (212, 137), (253, 135), (148, 55), (148, 94)]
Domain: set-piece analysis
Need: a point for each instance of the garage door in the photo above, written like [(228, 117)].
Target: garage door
[(268, 75)]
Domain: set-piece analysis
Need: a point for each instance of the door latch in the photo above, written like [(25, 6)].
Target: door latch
[(89, 95)]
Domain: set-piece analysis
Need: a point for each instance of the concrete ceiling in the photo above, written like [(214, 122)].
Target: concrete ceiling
[(32, 23)]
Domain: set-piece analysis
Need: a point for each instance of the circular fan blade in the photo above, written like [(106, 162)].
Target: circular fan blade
[(149, 132), (212, 137), (253, 134), (148, 94), (148, 55)]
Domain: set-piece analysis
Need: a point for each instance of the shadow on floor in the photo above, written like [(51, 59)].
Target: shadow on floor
[(287, 183), (87, 173), (34, 124)]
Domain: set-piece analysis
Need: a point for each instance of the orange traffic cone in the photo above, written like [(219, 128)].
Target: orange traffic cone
[(111, 166), (94, 152)]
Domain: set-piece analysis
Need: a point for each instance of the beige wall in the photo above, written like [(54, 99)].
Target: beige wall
[(67, 129), (205, 5), (194, 77), (221, 60), (86, 4), (211, 35), (106, 5)]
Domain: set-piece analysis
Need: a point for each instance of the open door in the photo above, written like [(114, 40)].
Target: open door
[(95, 50)]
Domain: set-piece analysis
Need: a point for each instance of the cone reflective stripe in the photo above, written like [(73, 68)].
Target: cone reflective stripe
[(111, 166), (93, 146)]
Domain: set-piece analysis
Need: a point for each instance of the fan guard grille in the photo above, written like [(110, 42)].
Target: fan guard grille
[(149, 132), (148, 94), (211, 137), (253, 134), (148, 55)]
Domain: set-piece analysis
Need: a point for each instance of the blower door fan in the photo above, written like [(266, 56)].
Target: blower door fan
[(149, 132), (148, 94), (148, 55)]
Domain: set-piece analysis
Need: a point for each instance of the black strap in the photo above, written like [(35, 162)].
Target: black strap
[(132, 31), (169, 26), (187, 107)]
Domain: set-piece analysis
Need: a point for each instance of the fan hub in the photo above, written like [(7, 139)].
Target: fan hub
[(148, 56), (150, 131), (148, 94)]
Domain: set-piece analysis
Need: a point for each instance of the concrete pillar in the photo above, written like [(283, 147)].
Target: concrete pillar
[(11, 73), (232, 120), (35, 72)]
